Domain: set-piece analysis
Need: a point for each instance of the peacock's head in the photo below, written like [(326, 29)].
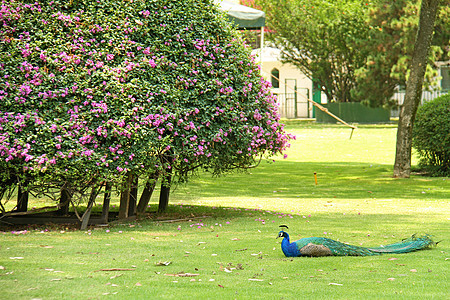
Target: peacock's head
[(282, 233)]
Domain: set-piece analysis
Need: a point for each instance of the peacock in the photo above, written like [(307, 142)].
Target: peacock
[(319, 246)]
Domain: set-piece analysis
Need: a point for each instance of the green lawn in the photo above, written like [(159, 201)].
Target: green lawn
[(228, 245)]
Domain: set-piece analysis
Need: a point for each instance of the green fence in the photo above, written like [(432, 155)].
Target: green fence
[(353, 112)]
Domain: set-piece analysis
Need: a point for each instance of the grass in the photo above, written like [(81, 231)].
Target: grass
[(230, 241)]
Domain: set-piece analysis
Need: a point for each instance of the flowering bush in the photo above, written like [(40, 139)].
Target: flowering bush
[(91, 90)]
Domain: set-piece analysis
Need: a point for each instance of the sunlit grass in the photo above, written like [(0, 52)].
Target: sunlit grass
[(41, 264), (228, 229)]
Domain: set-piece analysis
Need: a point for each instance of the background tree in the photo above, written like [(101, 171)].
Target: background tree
[(428, 12), (94, 92), (322, 39), (441, 36), (356, 50), (393, 26)]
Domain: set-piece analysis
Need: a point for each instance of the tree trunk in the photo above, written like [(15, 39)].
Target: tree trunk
[(106, 202), (22, 197), (133, 196), (64, 202), (147, 194), (87, 214), (165, 191), (125, 197), (402, 166)]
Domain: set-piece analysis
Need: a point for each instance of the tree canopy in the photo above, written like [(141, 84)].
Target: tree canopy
[(321, 38), (93, 90), (354, 50), (390, 47)]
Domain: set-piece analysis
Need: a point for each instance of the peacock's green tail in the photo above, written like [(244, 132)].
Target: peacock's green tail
[(411, 244)]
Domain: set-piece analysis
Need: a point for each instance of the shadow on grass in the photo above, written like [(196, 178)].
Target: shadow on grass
[(290, 185), (354, 226)]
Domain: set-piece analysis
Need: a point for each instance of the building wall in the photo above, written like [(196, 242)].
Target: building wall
[(290, 75)]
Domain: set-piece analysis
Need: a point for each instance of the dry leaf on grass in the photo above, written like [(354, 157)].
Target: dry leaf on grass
[(111, 284), (114, 269), (182, 275), (163, 263)]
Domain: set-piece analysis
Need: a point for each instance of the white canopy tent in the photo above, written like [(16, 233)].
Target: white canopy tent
[(244, 17)]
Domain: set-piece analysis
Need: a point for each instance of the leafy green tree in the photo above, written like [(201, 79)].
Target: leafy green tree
[(355, 50), (393, 28), (441, 37), (321, 38), (93, 91)]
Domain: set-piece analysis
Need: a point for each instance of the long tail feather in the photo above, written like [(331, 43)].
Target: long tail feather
[(411, 244)]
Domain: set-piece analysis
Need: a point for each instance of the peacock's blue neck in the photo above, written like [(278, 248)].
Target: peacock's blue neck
[(289, 249)]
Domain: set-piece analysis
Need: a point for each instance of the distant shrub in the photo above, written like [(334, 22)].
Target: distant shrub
[(431, 136)]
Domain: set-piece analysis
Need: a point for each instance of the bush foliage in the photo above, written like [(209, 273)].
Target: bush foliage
[(431, 136), (91, 90)]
